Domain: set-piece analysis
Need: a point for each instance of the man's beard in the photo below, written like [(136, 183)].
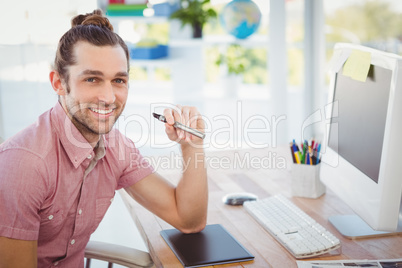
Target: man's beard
[(84, 122)]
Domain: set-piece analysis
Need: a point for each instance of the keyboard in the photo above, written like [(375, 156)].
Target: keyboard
[(293, 228)]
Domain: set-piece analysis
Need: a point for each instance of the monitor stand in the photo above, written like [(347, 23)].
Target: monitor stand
[(352, 227)]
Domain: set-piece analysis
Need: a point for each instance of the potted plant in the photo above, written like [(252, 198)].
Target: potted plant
[(234, 59), (235, 64), (194, 13)]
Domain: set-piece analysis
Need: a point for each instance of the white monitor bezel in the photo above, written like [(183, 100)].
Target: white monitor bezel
[(377, 204)]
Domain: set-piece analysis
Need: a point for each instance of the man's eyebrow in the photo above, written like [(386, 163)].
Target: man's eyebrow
[(91, 72), (99, 73), (120, 74)]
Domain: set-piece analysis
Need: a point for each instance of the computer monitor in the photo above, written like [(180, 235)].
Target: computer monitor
[(362, 162)]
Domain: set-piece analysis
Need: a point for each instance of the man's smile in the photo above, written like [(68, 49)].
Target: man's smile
[(102, 111)]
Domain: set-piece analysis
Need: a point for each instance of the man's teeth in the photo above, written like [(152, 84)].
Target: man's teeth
[(101, 111)]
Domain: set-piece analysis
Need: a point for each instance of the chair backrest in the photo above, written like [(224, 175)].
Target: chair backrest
[(117, 254)]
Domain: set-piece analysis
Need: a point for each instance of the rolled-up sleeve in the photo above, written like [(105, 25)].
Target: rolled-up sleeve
[(136, 166)]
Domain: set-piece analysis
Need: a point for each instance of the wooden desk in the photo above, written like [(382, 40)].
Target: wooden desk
[(237, 171)]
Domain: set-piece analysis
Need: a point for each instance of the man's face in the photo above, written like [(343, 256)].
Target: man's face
[(97, 88)]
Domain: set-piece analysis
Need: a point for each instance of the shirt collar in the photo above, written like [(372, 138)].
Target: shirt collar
[(75, 145), (100, 150)]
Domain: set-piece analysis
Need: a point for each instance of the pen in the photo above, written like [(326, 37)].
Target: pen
[(176, 124), (303, 157), (314, 157), (293, 153), (296, 152), (318, 153)]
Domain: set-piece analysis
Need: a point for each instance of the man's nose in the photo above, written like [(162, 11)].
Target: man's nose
[(106, 94)]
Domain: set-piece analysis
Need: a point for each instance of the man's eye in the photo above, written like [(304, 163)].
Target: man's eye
[(120, 81), (91, 79)]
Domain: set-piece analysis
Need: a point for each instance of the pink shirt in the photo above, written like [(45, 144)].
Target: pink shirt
[(55, 188)]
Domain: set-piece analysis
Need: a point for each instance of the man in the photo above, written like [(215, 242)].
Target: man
[(59, 176)]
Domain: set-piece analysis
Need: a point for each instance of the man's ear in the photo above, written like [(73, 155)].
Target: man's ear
[(57, 83)]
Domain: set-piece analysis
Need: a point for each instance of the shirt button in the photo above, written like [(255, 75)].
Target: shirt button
[(56, 263), (89, 156), (50, 217), (72, 242), (80, 212)]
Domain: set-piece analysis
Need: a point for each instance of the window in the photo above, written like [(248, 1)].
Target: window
[(374, 23)]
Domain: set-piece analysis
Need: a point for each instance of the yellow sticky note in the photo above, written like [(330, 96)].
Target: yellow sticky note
[(357, 65)]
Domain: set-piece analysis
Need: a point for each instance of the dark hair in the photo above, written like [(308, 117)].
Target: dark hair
[(93, 28)]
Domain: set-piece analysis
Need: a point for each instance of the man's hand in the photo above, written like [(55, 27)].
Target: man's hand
[(188, 116), (183, 206)]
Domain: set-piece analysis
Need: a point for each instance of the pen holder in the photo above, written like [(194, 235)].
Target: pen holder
[(306, 181)]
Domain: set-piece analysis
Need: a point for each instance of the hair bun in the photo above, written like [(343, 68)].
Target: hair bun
[(94, 18)]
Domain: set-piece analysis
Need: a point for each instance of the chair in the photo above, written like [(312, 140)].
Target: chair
[(115, 254)]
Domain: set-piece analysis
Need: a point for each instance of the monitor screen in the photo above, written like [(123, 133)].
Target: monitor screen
[(361, 116), (361, 158)]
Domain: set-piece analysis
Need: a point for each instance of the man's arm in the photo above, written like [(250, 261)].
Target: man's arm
[(18, 253), (183, 206)]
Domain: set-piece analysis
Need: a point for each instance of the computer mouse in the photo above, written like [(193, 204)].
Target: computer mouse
[(236, 199)]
